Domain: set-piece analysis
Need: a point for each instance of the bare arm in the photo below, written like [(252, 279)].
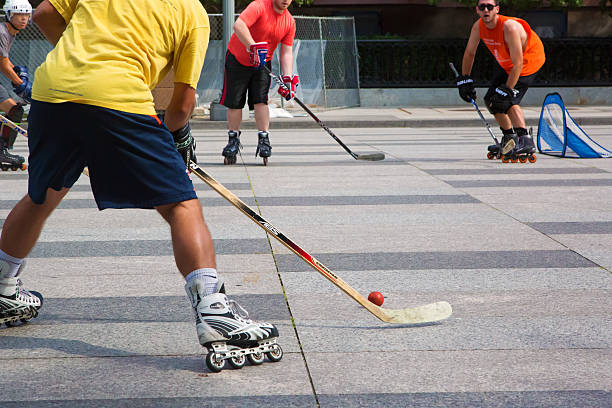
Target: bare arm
[(49, 21), (470, 50), (6, 66), (181, 106), (243, 33), (286, 59), (512, 36)]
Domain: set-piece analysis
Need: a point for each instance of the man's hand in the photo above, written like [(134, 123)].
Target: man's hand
[(185, 143), (467, 92), (502, 99), (258, 53), (291, 82)]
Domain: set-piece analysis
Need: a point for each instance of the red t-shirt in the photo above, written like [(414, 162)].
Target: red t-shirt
[(265, 24)]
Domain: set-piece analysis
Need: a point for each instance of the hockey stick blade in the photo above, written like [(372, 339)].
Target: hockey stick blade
[(368, 157), (421, 314), (371, 157)]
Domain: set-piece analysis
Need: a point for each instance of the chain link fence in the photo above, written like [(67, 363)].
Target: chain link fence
[(325, 58), (324, 52)]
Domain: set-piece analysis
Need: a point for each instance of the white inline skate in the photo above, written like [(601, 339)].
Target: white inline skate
[(225, 329), (17, 303)]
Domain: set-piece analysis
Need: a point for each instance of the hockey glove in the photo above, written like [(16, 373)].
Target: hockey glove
[(291, 82), (185, 143), (24, 90), (466, 88), (258, 53), (502, 99), (22, 72)]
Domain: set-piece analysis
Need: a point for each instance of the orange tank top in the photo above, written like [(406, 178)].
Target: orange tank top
[(533, 54)]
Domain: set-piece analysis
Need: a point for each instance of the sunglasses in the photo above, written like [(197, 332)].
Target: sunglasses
[(489, 7)]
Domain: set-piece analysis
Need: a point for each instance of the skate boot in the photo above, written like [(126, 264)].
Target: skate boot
[(17, 303), (8, 160), (525, 148), (225, 329), (264, 149), (233, 147), (508, 142)]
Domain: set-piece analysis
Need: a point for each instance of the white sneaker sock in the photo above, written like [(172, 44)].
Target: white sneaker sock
[(10, 267), (208, 275)]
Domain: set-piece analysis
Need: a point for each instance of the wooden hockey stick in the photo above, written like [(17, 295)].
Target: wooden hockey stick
[(369, 157), (429, 313)]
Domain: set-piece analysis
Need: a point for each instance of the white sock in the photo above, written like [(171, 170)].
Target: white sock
[(208, 275), (10, 267)]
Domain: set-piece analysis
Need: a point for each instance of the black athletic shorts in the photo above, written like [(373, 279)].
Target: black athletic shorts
[(239, 79), (521, 86)]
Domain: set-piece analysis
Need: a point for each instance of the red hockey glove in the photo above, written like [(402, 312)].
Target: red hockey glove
[(258, 53), (291, 82)]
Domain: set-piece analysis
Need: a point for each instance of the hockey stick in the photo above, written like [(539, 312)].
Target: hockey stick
[(429, 313), (510, 145), (369, 157)]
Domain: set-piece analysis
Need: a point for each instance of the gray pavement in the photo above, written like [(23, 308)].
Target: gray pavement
[(521, 251)]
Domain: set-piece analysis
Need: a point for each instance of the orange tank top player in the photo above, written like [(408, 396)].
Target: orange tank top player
[(520, 54), (533, 50)]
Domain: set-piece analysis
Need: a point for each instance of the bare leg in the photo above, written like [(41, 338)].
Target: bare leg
[(262, 116), (191, 240), (25, 222), (503, 120), (234, 119), (515, 113)]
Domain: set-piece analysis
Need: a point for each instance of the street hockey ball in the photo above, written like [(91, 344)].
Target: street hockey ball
[(376, 298)]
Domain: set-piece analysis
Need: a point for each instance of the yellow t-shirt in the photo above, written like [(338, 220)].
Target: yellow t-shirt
[(114, 52)]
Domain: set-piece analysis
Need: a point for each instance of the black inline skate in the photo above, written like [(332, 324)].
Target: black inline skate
[(264, 149), (8, 160), (226, 331), (507, 144), (525, 148), (17, 303), (233, 147)]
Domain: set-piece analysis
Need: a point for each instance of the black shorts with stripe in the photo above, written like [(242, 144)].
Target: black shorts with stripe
[(239, 79)]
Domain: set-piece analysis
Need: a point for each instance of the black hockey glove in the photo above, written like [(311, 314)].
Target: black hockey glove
[(502, 99), (465, 83), (185, 143)]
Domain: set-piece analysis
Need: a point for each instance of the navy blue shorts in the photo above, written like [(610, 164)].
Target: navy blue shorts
[(132, 159)]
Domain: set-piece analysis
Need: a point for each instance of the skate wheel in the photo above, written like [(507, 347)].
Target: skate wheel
[(505, 159), (514, 160), (490, 156), (24, 167), (256, 359), (275, 354), (523, 159), (214, 362), (265, 160), (532, 158), (237, 362)]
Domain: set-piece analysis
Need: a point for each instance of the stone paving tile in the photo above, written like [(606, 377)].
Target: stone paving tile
[(520, 251)]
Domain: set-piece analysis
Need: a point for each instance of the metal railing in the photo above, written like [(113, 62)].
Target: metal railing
[(424, 63)]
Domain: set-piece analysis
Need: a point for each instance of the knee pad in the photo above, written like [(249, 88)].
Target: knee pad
[(15, 114)]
